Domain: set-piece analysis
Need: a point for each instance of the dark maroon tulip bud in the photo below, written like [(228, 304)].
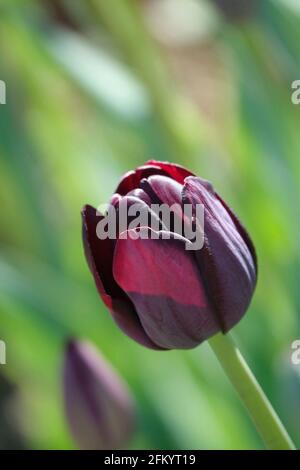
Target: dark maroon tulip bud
[(237, 10), (98, 406), (160, 293)]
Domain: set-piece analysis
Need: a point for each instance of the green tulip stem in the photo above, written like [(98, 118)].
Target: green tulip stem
[(259, 408)]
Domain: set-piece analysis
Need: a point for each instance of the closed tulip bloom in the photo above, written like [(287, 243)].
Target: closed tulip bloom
[(159, 293), (98, 406)]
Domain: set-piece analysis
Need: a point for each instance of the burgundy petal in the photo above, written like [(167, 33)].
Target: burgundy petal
[(162, 189), (99, 254), (128, 321), (140, 194), (149, 217), (162, 279), (131, 180), (115, 199), (226, 263), (242, 231), (175, 171)]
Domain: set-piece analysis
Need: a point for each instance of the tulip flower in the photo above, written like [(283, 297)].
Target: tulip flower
[(161, 294), (98, 406), (166, 295)]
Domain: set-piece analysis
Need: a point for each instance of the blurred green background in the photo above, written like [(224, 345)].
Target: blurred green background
[(95, 88)]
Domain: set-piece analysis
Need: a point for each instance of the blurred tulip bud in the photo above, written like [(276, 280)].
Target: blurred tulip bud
[(98, 406), (236, 10), (160, 293)]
